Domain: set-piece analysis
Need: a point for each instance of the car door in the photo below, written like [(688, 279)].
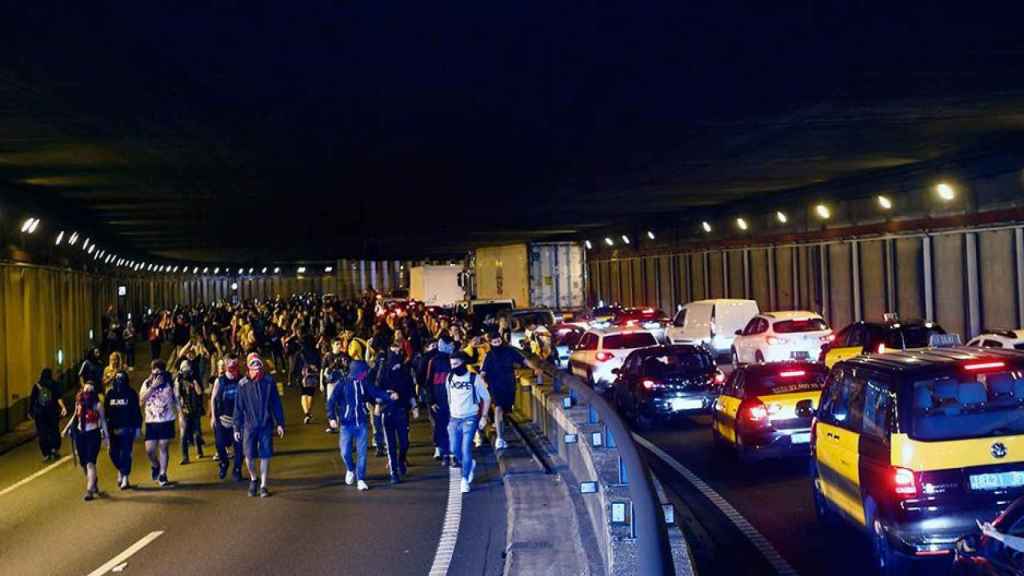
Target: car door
[(583, 356), (848, 344), (844, 430), (675, 331), (624, 384), (698, 322), (727, 406), (742, 341)]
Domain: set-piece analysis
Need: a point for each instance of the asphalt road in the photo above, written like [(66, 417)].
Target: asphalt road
[(313, 523)]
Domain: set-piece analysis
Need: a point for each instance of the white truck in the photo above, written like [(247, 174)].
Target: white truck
[(535, 275), (436, 285)]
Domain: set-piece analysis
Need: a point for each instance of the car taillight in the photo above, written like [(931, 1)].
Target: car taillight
[(881, 348), (978, 366), (793, 373), (904, 482), (603, 356), (651, 384), (755, 412)]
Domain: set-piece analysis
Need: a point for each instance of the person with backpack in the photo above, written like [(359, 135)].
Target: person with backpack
[(222, 413), (124, 419), (258, 414), (160, 410), (437, 399), (190, 397), (347, 410), (46, 408), (468, 403), (90, 430), (396, 376)]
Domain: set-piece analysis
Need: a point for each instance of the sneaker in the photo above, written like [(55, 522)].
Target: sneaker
[(88, 496), (199, 454), (164, 482), (184, 461), (380, 452), (236, 475), (253, 487), (222, 472), (350, 478), (500, 444), (403, 467), (264, 493), (465, 486), (437, 454), (472, 471), (452, 462), (307, 419), (125, 484), (155, 472), (395, 479), (216, 457), (362, 486)]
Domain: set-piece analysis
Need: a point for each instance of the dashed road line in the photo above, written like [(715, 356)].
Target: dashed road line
[(24, 481), (771, 555), (450, 531), (120, 559)]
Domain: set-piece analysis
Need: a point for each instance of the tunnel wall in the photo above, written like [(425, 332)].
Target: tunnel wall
[(969, 280)]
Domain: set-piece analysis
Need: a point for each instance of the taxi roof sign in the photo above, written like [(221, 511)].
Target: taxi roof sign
[(944, 340)]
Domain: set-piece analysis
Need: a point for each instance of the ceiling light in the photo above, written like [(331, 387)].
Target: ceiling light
[(650, 234), (608, 241), (216, 270), (329, 269), (60, 238), (625, 239), (823, 212), (85, 245), (241, 270), (706, 226), (884, 203), (32, 228), (301, 270), (945, 191), (91, 248), (206, 269), (742, 223), (264, 270), (250, 270), (29, 225), (588, 244), (234, 285), (73, 239), (176, 269), (781, 217), (277, 270)]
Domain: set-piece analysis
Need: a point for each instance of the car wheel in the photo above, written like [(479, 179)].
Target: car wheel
[(886, 559), (759, 357)]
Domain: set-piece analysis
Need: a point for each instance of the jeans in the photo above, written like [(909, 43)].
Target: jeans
[(396, 437), (192, 434), (439, 420), (460, 436), (122, 441), (357, 432), (225, 437)]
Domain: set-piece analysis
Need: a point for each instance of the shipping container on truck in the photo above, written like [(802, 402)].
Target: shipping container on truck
[(436, 285), (534, 275)]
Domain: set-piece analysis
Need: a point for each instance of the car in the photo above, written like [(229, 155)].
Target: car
[(985, 555), (912, 447), (565, 337), (520, 320), (999, 339), (762, 410), (662, 382), (484, 313), (601, 350), (604, 314), (777, 336), (645, 317), (711, 322), (878, 337)]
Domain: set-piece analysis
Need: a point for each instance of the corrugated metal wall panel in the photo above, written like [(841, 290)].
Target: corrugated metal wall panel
[(716, 282), (998, 280), (759, 281), (737, 285), (950, 297), (784, 288), (872, 285), (909, 278), (840, 284), (666, 287)]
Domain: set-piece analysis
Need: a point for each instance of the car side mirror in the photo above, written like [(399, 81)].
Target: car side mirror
[(738, 332), (805, 409)]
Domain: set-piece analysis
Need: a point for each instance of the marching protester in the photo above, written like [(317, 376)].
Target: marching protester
[(468, 403), (499, 370), (160, 410), (89, 428), (124, 420), (190, 398), (222, 416), (437, 399), (347, 410), (395, 376), (46, 408), (258, 415)]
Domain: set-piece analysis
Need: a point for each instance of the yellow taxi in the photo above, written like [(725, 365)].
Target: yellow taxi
[(913, 447), (878, 337), (756, 412)]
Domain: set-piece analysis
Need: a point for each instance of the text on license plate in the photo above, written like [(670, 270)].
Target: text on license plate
[(800, 438), (997, 481), (801, 355), (687, 403)]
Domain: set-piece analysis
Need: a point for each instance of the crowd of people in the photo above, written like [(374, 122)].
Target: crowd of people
[(374, 365)]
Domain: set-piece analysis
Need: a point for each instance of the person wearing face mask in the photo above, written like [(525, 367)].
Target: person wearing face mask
[(380, 357), (258, 414), (190, 396), (160, 410), (499, 368), (468, 403), (347, 410), (222, 413), (396, 376), (437, 399), (90, 431), (124, 419)]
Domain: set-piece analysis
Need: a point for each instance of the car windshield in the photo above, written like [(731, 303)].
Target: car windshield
[(569, 338), (911, 336), (960, 404), (786, 380), (629, 340), (488, 312), (801, 325), (602, 312), (676, 363)]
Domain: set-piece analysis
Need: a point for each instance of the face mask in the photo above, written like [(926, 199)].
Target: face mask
[(459, 368), (496, 343)]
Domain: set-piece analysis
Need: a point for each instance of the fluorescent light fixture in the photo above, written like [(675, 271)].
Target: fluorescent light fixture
[(945, 191), (92, 248), (781, 217), (264, 270), (206, 269), (29, 225), (60, 238), (234, 286), (216, 270), (884, 202), (85, 245), (301, 270), (823, 212), (585, 243), (329, 269), (609, 241), (73, 239), (742, 224), (625, 239), (277, 270), (706, 226), (650, 234)]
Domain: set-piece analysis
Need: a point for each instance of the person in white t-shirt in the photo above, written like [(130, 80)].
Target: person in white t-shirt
[(468, 403)]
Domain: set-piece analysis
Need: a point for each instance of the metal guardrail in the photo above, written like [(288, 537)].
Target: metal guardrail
[(653, 552)]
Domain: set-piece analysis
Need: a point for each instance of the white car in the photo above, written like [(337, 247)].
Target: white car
[(711, 322), (781, 336), (1013, 339), (602, 350)]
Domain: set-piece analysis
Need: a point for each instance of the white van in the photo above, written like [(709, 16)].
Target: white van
[(712, 322)]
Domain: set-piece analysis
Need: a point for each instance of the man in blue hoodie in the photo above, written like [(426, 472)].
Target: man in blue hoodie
[(347, 408), (258, 413)]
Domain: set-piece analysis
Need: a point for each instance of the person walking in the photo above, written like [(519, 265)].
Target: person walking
[(437, 392), (396, 377), (91, 369), (468, 403), (124, 420), (222, 414), (499, 371), (46, 408), (90, 429), (160, 410), (190, 397), (346, 410), (155, 338), (258, 414)]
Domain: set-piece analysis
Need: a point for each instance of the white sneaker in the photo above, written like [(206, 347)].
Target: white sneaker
[(478, 440), (350, 477), (472, 471), (362, 486), (437, 453), (500, 444), (465, 486)]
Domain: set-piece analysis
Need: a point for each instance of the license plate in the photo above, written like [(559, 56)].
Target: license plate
[(802, 355), (998, 481), (687, 403), (800, 438)]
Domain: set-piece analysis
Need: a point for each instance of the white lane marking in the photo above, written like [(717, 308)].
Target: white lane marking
[(123, 556), (450, 532), (120, 567), (742, 524), (24, 481)]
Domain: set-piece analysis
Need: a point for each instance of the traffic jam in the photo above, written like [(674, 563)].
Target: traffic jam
[(909, 444)]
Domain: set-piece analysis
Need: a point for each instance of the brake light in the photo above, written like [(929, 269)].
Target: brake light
[(881, 348), (792, 373), (603, 356), (651, 384), (648, 310), (756, 412), (904, 482), (984, 366)]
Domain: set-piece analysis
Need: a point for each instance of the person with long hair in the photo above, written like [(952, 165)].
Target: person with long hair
[(46, 408), (90, 429)]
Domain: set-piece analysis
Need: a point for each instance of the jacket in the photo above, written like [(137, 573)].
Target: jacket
[(347, 403), (121, 405), (257, 404), (395, 375)]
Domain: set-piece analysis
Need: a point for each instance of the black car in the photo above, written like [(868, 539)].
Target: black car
[(661, 382)]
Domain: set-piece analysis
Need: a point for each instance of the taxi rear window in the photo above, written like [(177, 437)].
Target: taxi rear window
[(629, 340), (786, 380), (911, 337), (961, 405), (676, 364), (805, 325)]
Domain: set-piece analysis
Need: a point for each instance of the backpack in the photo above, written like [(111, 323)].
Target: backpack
[(44, 397)]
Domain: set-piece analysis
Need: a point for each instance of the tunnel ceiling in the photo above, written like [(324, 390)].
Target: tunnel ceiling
[(403, 129)]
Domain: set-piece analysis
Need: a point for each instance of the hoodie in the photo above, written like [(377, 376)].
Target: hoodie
[(347, 403), (121, 405), (396, 376), (257, 404)]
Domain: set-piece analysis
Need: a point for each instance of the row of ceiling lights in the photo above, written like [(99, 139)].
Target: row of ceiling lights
[(945, 193), (30, 225)]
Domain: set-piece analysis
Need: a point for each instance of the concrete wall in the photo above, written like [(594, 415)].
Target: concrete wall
[(967, 280)]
